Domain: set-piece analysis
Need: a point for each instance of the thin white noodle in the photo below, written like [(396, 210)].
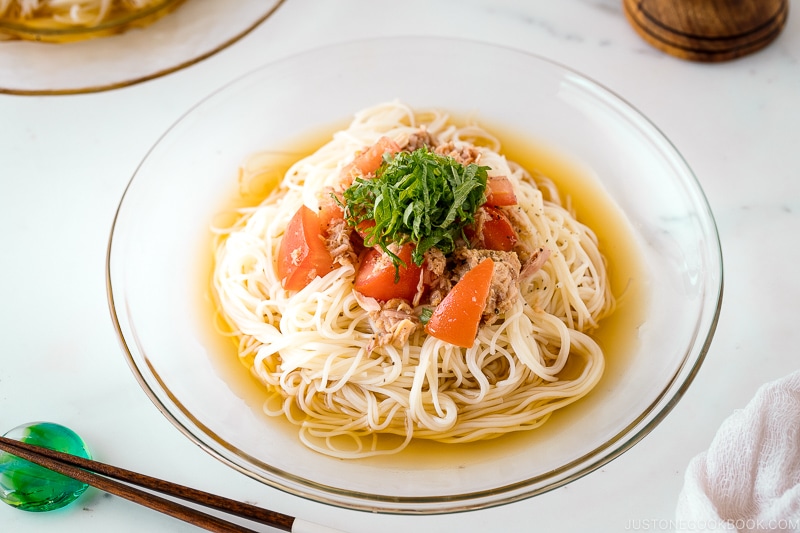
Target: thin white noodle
[(311, 348)]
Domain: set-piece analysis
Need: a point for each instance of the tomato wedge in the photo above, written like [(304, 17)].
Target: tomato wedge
[(329, 212), (368, 161), (500, 191), (362, 228), (498, 233), (302, 254), (376, 275), (458, 315)]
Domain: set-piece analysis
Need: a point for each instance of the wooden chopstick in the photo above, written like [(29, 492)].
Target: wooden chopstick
[(118, 481)]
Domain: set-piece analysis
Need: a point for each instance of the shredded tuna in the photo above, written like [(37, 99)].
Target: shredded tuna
[(420, 139), (393, 323), (481, 216), (534, 263), (433, 276), (465, 155), (337, 241), (434, 261), (367, 303)]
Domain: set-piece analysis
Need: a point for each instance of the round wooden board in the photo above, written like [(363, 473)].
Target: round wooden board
[(707, 30)]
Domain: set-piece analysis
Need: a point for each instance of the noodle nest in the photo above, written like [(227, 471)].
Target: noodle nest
[(313, 349)]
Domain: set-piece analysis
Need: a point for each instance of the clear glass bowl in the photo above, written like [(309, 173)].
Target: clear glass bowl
[(159, 261), (173, 34)]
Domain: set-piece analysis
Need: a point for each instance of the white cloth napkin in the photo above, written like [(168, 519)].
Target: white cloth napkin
[(749, 479)]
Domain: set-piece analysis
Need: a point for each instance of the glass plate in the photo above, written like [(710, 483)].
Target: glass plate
[(159, 260), (195, 30)]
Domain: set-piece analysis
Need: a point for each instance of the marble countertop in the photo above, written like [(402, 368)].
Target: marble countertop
[(65, 162)]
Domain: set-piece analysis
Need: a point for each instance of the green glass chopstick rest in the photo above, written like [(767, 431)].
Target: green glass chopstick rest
[(31, 487)]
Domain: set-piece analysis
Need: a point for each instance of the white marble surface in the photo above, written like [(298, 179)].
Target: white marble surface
[(65, 161)]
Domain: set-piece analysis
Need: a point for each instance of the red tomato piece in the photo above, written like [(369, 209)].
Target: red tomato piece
[(458, 315), (329, 212), (500, 191), (498, 233), (302, 254), (376, 275), (367, 162), (363, 227)]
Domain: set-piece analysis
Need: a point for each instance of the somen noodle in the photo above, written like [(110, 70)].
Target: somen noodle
[(352, 392)]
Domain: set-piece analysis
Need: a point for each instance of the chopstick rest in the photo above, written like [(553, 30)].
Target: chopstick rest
[(125, 483), (31, 487)]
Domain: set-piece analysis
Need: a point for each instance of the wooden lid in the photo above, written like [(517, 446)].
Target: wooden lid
[(707, 30)]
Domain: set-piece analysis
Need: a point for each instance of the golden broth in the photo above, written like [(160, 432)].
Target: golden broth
[(617, 334), (594, 208)]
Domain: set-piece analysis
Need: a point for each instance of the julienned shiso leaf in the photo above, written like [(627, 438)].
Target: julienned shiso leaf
[(420, 197)]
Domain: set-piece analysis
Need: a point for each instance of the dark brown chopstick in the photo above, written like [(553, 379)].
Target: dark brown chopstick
[(118, 481)]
